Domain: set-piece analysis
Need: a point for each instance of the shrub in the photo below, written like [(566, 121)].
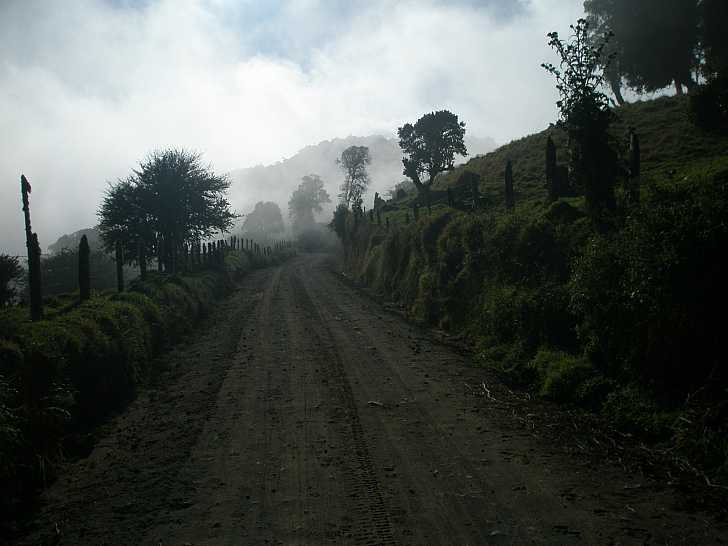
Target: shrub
[(634, 410), (649, 298), (559, 374)]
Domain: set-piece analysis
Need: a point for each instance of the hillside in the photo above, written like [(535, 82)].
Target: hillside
[(669, 142), (276, 182)]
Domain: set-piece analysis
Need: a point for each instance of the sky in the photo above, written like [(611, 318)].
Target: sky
[(89, 87)]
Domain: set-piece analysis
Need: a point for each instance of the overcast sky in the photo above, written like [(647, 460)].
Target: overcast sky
[(88, 87)]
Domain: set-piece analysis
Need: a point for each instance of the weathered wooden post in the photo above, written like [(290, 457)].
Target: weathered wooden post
[(387, 221), (510, 196), (84, 270), (33, 247), (450, 199), (119, 257)]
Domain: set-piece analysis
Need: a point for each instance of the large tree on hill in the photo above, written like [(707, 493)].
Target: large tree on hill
[(429, 147), (171, 200), (656, 40), (305, 200), (266, 220), (714, 37), (354, 161)]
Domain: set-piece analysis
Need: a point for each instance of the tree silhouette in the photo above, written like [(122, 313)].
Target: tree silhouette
[(305, 200), (655, 41), (429, 147), (714, 16), (171, 200), (353, 162), (266, 221), (585, 115)]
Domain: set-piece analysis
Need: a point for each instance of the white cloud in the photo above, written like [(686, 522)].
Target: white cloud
[(87, 88)]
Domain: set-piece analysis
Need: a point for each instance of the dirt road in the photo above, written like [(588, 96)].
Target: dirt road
[(302, 413)]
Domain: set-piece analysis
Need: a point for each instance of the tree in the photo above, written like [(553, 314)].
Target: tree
[(124, 218), (586, 116), (353, 162), (171, 200), (429, 147), (305, 200), (265, 222), (10, 275), (714, 29), (656, 40)]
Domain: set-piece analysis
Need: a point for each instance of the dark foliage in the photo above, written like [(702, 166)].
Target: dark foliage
[(305, 201), (10, 273), (429, 147), (655, 40), (170, 201), (586, 116), (265, 222)]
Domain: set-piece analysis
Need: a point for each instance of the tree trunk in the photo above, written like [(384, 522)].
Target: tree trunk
[(84, 270), (425, 192), (678, 88), (617, 91)]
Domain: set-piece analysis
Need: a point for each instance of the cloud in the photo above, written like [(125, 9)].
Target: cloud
[(88, 87)]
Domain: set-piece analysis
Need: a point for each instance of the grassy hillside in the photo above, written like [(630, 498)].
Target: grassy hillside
[(627, 322), (669, 142)]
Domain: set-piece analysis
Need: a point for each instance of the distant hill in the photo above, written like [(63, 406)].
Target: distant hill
[(276, 182), (71, 240)]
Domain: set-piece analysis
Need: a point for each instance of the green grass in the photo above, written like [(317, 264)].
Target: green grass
[(671, 146)]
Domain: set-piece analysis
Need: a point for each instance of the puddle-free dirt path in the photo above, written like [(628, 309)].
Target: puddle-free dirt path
[(303, 414)]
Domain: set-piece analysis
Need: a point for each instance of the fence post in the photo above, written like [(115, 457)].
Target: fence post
[(31, 242), (84, 270)]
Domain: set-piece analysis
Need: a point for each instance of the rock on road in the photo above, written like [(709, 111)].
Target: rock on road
[(302, 413)]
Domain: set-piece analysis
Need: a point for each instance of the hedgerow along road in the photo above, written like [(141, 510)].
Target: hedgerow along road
[(303, 412)]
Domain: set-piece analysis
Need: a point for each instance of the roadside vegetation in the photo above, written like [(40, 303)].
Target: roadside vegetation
[(86, 347), (585, 261)]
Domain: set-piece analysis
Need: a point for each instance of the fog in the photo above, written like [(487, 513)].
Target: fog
[(88, 88)]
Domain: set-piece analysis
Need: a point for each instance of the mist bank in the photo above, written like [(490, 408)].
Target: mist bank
[(276, 182)]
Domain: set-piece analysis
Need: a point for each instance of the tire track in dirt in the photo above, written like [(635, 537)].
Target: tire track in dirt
[(371, 524)]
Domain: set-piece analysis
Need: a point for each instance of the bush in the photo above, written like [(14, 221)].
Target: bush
[(559, 375), (650, 297), (634, 410)]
